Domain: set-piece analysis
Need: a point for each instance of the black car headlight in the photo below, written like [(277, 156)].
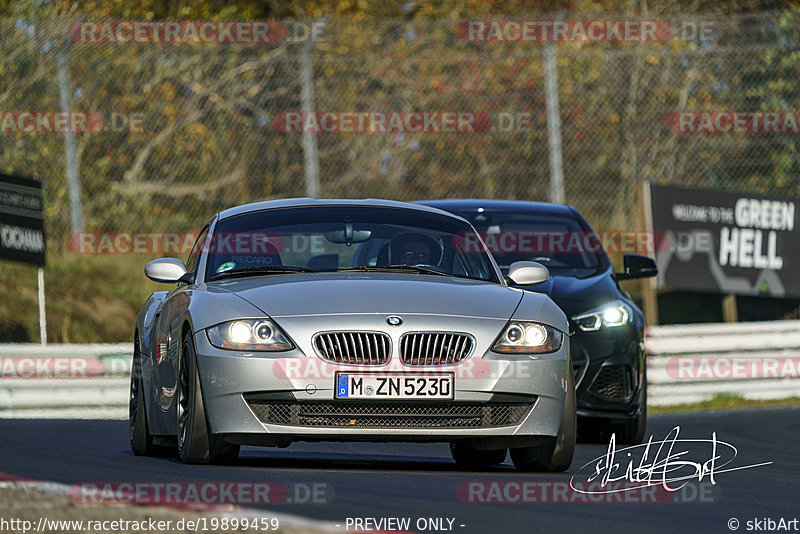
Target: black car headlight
[(248, 334), (525, 337), (613, 314)]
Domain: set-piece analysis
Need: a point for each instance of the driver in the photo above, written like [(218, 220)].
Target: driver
[(414, 249)]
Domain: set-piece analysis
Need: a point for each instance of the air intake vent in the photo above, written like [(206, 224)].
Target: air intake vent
[(400, 415), (613, 382)]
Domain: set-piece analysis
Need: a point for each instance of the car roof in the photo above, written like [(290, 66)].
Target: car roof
[(320, 202), (462, 204)]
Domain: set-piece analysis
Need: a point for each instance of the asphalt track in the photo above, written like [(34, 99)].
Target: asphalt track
[(376, 480)]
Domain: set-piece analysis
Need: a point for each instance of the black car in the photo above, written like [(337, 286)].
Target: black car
[(607, 328)]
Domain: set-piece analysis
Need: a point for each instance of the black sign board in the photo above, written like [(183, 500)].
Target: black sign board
[(738, 243), (21, 220)]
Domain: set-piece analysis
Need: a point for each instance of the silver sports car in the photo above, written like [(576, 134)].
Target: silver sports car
[(350, 320)]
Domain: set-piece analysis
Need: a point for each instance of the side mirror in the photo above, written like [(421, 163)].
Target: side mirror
[(527, 273), (166, 270), (637, 267)]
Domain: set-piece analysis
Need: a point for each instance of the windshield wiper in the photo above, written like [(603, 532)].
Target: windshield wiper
[(262, 269), (390, 268)]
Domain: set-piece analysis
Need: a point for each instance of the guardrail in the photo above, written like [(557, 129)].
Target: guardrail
[(95, 383), (692, 363), (686, 363)]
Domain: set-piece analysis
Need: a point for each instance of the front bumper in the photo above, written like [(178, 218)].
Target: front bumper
[(609, 367), (238, 386)]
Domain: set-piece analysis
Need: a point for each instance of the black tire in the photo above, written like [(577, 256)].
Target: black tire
[(196, 443), (593, 430), (468, 456), (631, 431), (138, 431), (555, 453)]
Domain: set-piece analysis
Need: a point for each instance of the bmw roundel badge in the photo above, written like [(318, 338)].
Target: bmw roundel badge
[(394, 320)]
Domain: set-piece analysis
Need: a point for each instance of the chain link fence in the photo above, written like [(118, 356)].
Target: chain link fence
[(179, 130)]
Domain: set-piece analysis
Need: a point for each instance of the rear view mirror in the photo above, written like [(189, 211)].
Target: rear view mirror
[(637, 266), (527, 273), (348, 235), (165, 270)]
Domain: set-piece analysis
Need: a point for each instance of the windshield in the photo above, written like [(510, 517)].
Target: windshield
[(341, 238), (559, 242)]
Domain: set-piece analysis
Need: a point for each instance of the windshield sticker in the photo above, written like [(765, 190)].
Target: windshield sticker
[(227, 266)]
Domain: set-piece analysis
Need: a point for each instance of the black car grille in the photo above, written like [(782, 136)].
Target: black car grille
[(434, 348), (613, 382), (360, 348), (390, 414)]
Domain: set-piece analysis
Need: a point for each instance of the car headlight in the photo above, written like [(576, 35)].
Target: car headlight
[(616, 313), (524, 337), (248, 334)]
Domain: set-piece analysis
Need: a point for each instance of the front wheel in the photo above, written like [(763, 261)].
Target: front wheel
[(555, 453), (196, 443)]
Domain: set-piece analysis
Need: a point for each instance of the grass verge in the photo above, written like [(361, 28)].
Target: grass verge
[(89, 298), (723, 402)]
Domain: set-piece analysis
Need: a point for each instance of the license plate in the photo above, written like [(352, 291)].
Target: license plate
[(391, 386)]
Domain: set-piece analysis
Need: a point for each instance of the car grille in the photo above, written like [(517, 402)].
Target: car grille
[(434, 348), (390, 414), (362, 348), (613, 382)]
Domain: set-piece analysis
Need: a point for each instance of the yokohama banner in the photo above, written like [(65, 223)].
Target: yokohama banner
[(21, 220)]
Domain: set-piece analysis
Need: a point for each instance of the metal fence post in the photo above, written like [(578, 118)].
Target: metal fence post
[(310, 155), (75, 205), (553, 126)]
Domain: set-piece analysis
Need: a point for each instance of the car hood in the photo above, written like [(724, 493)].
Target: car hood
[(361, 293), (578, 294)]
